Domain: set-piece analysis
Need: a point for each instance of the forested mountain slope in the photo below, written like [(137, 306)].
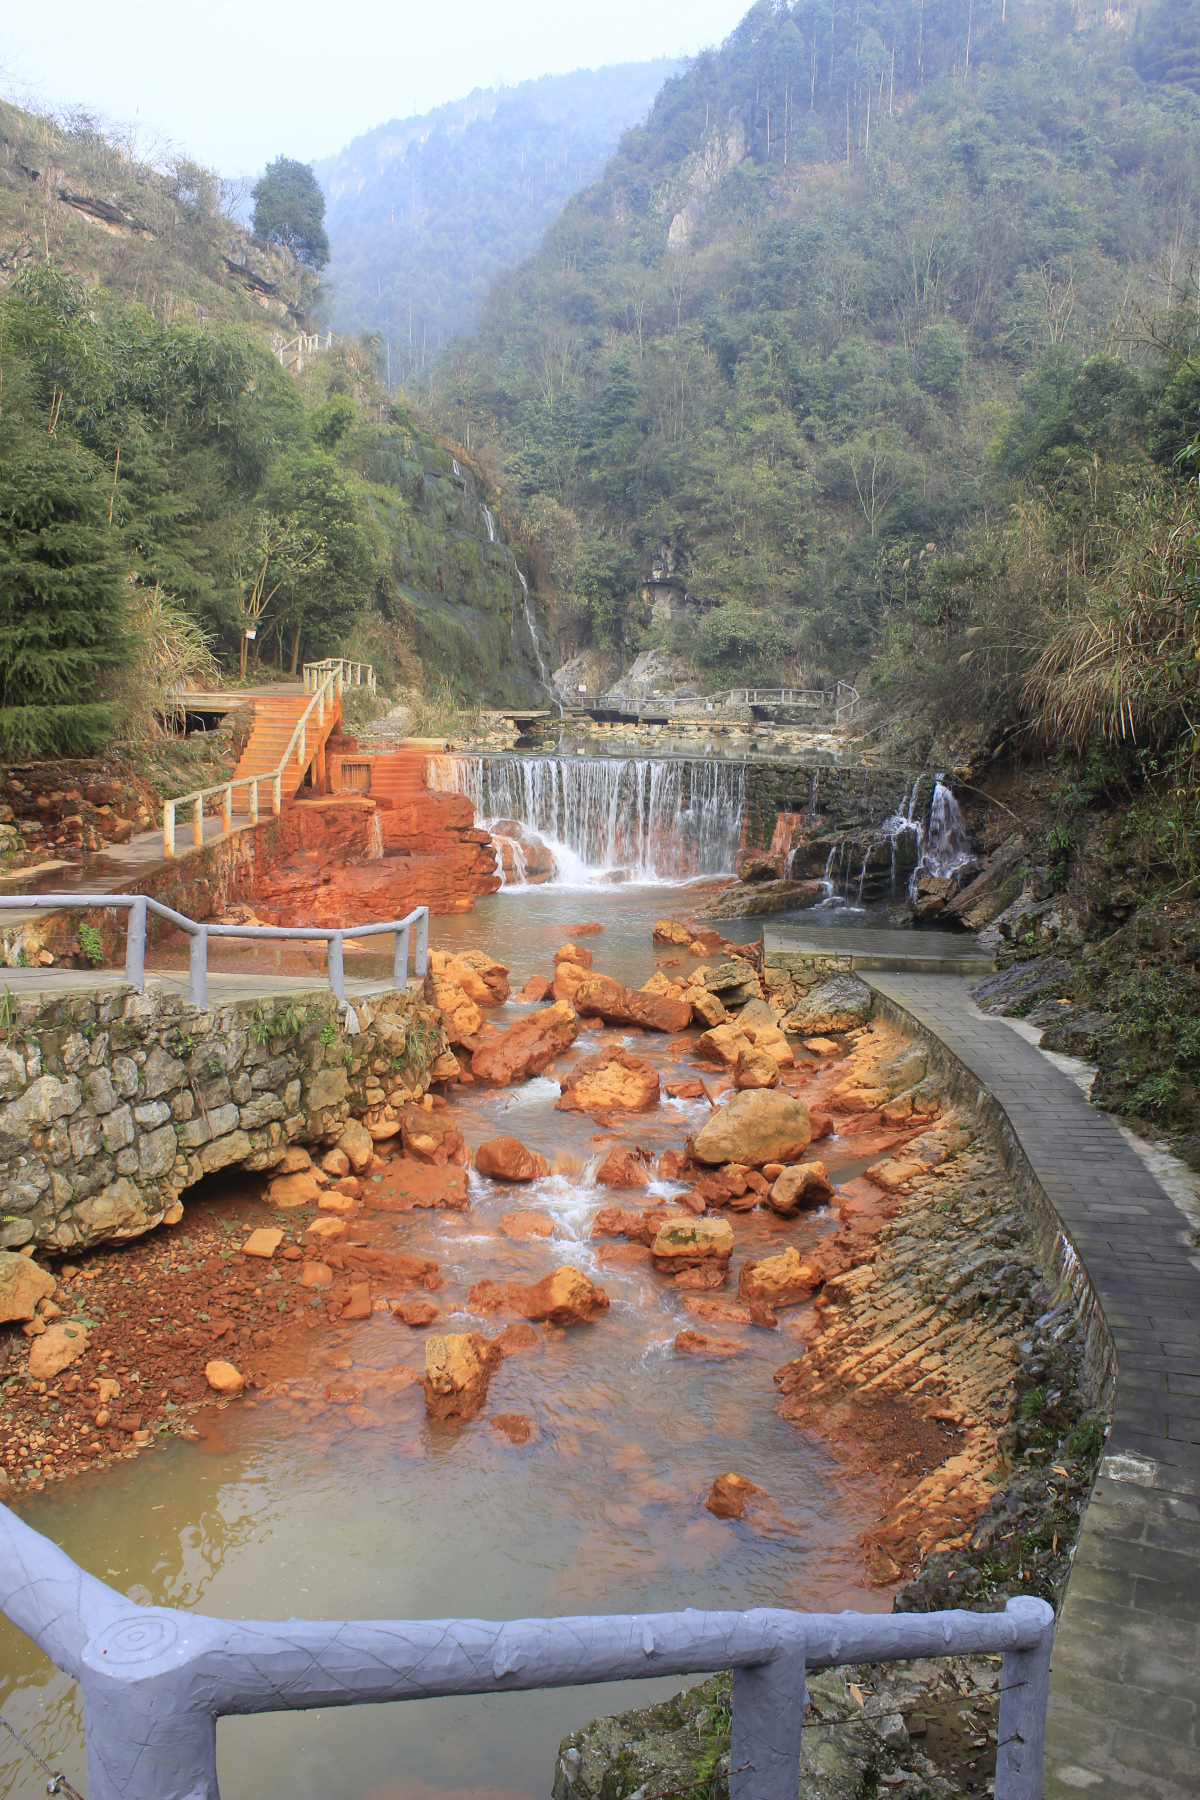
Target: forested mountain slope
[(423, 212), (867, 278)]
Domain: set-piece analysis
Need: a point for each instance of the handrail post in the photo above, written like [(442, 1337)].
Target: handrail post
[(277, 793), (252, 798), (1024, 1693), (337, 973), (769, 1703), (198, 819), (301, 745), (168, 828), (400, 962), (135, 945), (321, 704), (227, 809), (198, 968), (422, 956)]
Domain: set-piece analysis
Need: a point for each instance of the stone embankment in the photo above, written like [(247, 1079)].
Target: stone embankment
[(111, 1106)]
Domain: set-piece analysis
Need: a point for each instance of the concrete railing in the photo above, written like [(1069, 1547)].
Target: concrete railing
[(324, 681), (155, 1681), (139, 906), (842, 700), (307, 343)]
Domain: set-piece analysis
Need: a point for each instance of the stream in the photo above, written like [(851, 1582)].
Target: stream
[(284, 1508)]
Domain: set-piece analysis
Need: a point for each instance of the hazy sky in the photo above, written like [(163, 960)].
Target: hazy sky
[(235, 82)]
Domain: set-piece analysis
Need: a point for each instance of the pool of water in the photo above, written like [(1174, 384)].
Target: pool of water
[(284, 1507)]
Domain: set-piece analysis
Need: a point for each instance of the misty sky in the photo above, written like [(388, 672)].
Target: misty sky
[(235, 82)]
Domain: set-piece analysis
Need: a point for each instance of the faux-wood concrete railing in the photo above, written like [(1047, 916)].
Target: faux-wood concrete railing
[(155, 1681), (139, 906), (325, 682)]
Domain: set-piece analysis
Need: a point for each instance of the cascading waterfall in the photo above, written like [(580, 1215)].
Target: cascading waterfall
[(605, 818), (939, 847), (491, 525)]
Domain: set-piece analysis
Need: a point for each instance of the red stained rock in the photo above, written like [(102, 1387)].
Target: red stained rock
[(573, 953), (417, 1313), (755, 1068), (566, 1297), (784, 1280), (802, 1184), (822, 1125), (616, 1005), (569, 977), (624, 1253), (527, 1047), (704, 1275), (358, 1306), (729, 1494), (696, 1343), (753, 1128), (516, 1337), (717, 1312), (507, 1159), (408, 1183), (524, 1225), (515, 1427), (537, 988), (458, 1368), (685, 1090), (622, 1168), (671, 1164), (588, 930), (430, 1137), (610, 1081), (682, 1243)]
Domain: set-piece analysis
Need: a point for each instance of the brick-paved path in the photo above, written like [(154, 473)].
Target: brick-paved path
[(1125, 1684)]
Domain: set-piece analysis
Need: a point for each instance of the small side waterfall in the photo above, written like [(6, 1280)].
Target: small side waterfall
[(603, 818), (374, 839), (900, 851), (491, 524)]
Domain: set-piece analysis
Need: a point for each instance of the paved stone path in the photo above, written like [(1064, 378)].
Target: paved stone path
[(1125, 1682)]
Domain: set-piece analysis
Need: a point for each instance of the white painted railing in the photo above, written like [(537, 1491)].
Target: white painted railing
[(292, 354), (155, 1680), (842, 700), (138, 906), (324, 681)]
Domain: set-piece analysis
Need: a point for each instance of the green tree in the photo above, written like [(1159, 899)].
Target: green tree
[(62, 612), (289, 208)]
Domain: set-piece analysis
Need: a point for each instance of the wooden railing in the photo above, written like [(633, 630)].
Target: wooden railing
[(325, 681), (292, 354)]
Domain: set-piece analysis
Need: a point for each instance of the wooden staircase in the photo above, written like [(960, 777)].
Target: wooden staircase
[(275, 718)]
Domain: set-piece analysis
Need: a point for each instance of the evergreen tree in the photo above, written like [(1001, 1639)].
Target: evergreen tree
[(61, 599), (289, 208)]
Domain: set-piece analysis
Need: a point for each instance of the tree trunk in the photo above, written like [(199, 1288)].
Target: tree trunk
[(296, 647)]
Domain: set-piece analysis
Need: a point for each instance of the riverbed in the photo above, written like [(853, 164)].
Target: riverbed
[(284, 1507)]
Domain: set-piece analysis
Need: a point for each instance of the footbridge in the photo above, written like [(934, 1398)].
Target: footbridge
[(836, 705)]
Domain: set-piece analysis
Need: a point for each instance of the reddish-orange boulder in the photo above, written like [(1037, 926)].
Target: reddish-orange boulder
[(588, 930), (802, 1184), (685, 1090), (622, 1168), (537, 988), (567, 1297), (610, 1081), (682, 1243), (729, 1494), (573, 953), (417, 1313), (515, 1427), (516, 1337), (605, 999), (755, 1068), (696, 1343), (569, 977), (522, 1225), (777, 1281), (507, 1159), (430, 1137), (458, 1368), (527, 1047)]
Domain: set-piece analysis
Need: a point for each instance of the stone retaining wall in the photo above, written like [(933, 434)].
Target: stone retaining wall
[(112, 1104)]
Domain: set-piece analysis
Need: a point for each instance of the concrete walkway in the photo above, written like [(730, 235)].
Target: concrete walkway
[(872, 948), (1125, 1682)]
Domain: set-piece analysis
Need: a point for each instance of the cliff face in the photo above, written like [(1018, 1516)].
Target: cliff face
[(457, 586)]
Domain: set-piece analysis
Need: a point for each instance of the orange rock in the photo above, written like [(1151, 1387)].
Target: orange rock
[(753, 1128), (507, 1159), (684, 1090), (358, 1306), (572, 953), (621, 1168), (820, 1046), (777, 1281), (566, 1297), (822, 1125), (458, 1368), (480, 977), (729, 1494), (316, 1275), (695, 1343), (588, 930), (623, 1253), (431, 1137), (616, 1005), (322, 1231), (670, 931), (515, 1427), (382, 1123), (610, 1080), (264, 1242), (461, 1017), (802, 1184), (536, 988), (417, 1313), (301, 1189), (408, 1183), (294, 1161), (350, 1185), (527, 1047), (682, 1243), (524, 1225), (343, 1206), (223, 1378), (516, 1337), (755, 1068), (335, 1162), (56, 1349), (670, 1164)]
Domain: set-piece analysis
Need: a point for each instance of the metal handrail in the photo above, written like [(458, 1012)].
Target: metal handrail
[(155, 1680), (329, 678), (139, 905)]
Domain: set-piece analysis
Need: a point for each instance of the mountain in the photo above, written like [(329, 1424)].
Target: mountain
[(865, 279), (423, 212)]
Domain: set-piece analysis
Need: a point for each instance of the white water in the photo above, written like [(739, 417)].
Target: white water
[(491, 525), (457, 470), (374, 839), (941, 846), (606, 818)]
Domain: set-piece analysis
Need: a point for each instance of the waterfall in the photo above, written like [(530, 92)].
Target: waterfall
[(606, 818), (909, 848), (947, 846), (531, 622), (457, 470), (374, 838), (491, 525)]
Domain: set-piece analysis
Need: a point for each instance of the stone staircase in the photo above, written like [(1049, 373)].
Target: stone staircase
[(398, 777)]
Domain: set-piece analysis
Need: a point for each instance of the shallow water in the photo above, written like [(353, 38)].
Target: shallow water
[(285, 1508)]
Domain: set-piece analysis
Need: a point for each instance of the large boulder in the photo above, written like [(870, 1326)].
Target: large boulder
[(507, 1159), (682, 1243), (785, 1280), (603, 998), (707, 1009), (458, 1367), (566, 1297), (670, 931), (610, 1081), (837, 1005), (569, 977), (735, 981), (357, 1145), (480, 976), (527, 1047), (755, 1068), (803, 1184), (22, 1285), (755, 1127)]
